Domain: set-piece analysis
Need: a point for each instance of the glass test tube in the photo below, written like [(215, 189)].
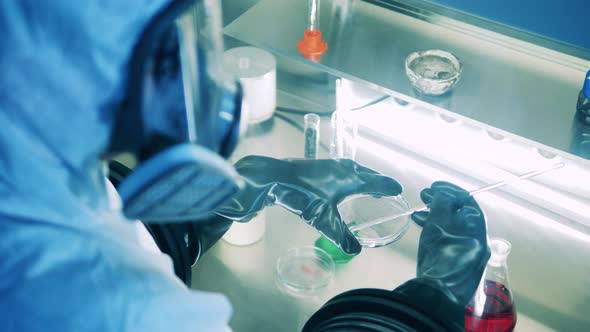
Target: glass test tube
[(344, 136), (312, 135), (344, 125), (313, 7), (335, 142)]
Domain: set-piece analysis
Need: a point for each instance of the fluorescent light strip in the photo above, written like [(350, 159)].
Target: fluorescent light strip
[(472, 151), (489, 198)]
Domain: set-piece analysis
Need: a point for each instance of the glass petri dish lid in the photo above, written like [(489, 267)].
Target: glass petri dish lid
[(358, 209), (305, 269)]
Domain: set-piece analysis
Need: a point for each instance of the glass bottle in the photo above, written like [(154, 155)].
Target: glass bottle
[(492, 307), (580, 144), (583, 105)]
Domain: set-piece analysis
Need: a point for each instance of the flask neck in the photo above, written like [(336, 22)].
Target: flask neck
[(500, 249), (497, 261)]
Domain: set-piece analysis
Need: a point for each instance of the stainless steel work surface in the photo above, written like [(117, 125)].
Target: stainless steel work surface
[(549, 263), (509, 84)]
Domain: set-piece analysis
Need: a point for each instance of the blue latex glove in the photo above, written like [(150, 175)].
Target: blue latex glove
[(453, 248), (309, 188)]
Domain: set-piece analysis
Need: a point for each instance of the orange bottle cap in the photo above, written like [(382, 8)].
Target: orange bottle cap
[(312, 46)]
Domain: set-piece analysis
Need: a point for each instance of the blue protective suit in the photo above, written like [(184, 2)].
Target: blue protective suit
[(69, 261)]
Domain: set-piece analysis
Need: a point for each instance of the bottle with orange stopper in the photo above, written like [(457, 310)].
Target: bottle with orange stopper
[(312, 46)]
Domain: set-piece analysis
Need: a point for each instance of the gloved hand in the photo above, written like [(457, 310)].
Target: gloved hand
[(310, 188), (453, 250)]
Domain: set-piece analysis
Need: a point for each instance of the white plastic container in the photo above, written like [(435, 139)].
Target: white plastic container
[(243, 234), (256, 70)]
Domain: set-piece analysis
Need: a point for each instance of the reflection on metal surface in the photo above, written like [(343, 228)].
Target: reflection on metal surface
[(507, 83)]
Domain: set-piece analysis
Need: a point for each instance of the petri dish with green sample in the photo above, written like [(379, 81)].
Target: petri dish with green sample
[(338, 256)]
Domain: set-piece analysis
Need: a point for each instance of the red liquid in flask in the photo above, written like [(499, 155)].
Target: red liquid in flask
[(498, 312)]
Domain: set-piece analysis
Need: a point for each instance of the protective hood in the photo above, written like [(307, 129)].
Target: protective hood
[(64, 71), (70, 260)]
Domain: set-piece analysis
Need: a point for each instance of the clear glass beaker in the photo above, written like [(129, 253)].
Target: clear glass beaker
[(492, 307)]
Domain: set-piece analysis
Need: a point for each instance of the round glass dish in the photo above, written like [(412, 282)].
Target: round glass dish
[(359, 209), (305, 269), (433, 72)]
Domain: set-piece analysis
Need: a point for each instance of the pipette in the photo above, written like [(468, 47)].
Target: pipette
[(313, 22), (471, 193)]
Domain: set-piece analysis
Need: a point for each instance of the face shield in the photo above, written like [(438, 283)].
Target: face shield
[(181, 118), (212, 97)]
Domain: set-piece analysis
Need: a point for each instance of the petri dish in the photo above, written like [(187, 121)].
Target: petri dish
[(433, 72), (359, 209), (305, 269), (339, 256)]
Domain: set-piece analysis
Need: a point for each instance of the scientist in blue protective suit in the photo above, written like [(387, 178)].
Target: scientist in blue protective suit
[(82, 81)]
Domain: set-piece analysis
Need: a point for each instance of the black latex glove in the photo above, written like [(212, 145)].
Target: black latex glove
[(310, 188), (453, 250), (452, 256)]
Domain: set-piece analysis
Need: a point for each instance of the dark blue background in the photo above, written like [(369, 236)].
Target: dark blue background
[(564, 20)]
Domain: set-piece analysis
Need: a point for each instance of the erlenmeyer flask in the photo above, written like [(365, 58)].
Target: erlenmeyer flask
[(492, 307)]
